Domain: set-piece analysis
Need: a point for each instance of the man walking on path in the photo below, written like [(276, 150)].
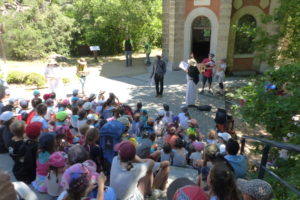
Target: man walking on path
[(127, 45), (159, 70)]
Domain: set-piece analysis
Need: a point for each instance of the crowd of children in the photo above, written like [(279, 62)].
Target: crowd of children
[(63, 148)]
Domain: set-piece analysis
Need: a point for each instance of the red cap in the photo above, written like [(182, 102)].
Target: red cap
[(33, 130), (191, 192), (46, 96), (126, 150)]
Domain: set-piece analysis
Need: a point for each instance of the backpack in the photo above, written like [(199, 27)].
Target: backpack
[(3, 149), (24, 115), (110, 135), (24, 168), (221, 116), (204, 108), (30, 116)]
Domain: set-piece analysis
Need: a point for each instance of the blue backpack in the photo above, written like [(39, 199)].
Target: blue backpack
[(110, 135)]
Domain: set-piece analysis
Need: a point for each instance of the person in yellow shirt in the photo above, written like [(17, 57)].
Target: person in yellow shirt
[(82, 72)]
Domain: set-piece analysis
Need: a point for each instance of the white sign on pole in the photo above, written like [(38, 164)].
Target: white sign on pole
[(95, 48)]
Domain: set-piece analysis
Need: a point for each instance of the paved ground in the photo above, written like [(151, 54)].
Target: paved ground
[(135, 88)]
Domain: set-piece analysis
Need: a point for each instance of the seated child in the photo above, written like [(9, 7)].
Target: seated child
[(168, 115), (223, 138), (91, 146), (41, 111), (167, 154), (212, 137), (17, 128), (238, 162), (25, 163), (24, 110), (196, 156), (46, 147), (180, 154), (57, 163)]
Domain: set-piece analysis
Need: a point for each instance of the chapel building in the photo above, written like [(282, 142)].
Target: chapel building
[(211, 26)]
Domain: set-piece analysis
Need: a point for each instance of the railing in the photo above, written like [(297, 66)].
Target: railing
[(262, 166)]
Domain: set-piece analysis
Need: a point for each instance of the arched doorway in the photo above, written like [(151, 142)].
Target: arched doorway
[(201, 34)]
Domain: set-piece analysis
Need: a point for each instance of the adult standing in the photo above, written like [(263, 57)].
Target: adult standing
[(159, 70), (53, 74), (193, 72), (128, 47), (147, 48), (207, 73), (82, 72)]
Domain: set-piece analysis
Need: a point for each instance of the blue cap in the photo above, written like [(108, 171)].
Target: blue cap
[(36, 93)]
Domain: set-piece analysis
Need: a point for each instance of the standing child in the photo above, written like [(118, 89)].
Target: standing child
[(46, 147), (25, 164), (50, 110), (7, 118), (220, 75), (57, 163)]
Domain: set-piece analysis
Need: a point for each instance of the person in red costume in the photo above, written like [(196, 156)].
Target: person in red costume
[(207, 74)]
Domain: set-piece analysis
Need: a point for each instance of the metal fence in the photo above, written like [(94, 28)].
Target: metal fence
[(262, 165)]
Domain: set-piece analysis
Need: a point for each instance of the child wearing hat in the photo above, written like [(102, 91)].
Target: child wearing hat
[(23, 111), (24, 168), (196, 156), (255, 189), (57, 163), (62, 130), (6, 118)]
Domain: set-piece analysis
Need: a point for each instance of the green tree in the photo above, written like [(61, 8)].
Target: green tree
[(38, 31), (283, 46), (107, 23)]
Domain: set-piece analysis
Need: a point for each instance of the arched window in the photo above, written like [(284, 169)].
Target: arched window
[(245, 34), (202, 26)]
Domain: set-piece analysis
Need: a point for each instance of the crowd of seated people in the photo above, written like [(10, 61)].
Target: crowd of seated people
[(96, 148)]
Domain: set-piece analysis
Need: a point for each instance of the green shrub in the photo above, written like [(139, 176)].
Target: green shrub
[(35, 79), (65, 80), (16, 77), (27, 78)]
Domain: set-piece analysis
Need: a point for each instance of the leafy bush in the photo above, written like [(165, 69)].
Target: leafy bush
[(16, 77), (35, 32), (65, 80), (272, 100), (27, 78), (35, 79)]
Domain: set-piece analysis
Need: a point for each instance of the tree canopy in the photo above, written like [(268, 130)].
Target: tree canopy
[(39, 27)]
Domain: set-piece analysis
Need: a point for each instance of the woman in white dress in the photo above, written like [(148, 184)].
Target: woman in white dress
[(193, 72), (53, 74)]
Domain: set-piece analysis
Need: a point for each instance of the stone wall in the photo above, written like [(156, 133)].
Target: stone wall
[(173, 22), (224, 29)]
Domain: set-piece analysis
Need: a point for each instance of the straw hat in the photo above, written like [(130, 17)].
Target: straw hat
[(81, 61)]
